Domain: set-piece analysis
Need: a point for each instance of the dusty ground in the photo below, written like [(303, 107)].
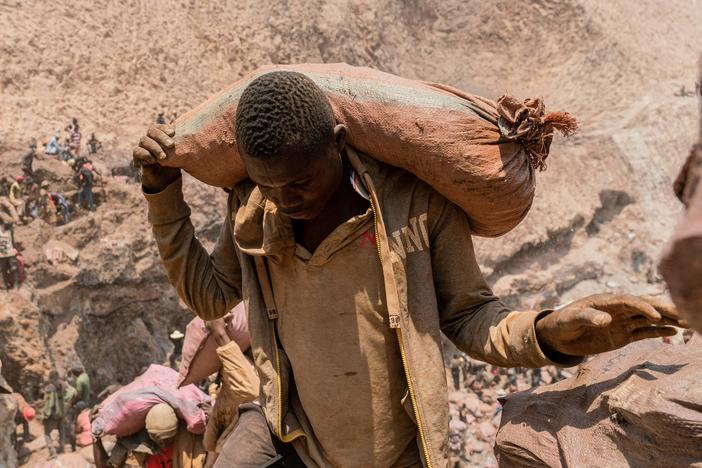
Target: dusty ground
[(603, 208)]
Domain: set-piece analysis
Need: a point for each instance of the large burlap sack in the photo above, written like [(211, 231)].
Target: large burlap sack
[(479, 154), (199, 358), (640, 406), (124, 412)]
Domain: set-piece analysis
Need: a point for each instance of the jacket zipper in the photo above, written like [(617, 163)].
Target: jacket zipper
[(287, 438), (400, 342), (272, 312)]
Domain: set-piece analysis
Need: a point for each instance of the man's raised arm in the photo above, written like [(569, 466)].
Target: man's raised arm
[(480, 325), (209, 284)]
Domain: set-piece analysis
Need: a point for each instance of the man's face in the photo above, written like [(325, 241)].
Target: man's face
[(162, 443), (300, 185)]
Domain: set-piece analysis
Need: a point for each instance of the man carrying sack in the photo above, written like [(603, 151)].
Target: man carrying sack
[(351, 269)]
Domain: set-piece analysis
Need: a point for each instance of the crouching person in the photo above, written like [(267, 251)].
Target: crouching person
[(240, 386), (164, 442)]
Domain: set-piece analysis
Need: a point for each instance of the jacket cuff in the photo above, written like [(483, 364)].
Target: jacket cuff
[(227, 349), (168, 205), (529, 344)]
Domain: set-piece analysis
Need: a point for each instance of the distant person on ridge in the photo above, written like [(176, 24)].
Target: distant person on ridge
[(16, 197), (28, 160), (75, 136), (54, 412), (70, 398), (86, 179), (53, 206), (8, 254), (53, 147), (177, 339), (64, 153), (4, 186), (83, 390), (8, 212), (456, 364), (23, 415), (94, 145), (357, 322)]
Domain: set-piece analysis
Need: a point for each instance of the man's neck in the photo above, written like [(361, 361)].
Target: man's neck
[(343, 205)]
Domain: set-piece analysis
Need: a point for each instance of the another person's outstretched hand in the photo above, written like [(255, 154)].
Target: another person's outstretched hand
[(152, 149), (604, 322), (218, 328)]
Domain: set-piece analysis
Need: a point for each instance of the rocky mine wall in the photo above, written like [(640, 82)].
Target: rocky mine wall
[(603, 209), (96, 293)]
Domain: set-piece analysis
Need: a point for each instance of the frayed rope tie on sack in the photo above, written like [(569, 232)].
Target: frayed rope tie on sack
[(528, 124)]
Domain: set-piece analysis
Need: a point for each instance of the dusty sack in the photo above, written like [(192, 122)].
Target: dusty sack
[(479, 154), (638, 406), (124, 412), (199, 357)]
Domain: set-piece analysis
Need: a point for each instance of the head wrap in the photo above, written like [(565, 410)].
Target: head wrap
[(162, 422), (28, 413)]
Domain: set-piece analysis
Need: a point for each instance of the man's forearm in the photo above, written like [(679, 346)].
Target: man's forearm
[(209, 286), (238, 372), (155, 179), (493, 333), (472, 317)]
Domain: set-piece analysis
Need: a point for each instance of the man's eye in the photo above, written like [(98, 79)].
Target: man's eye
[(301, 184)]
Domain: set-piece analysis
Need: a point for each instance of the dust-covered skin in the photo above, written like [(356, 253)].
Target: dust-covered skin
[(604, 322), (152, 148)]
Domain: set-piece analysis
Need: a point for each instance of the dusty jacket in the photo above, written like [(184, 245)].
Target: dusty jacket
[(432, 283), (239, 385)]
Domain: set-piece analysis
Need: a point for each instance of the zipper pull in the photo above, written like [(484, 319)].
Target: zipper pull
[(273, 313), (394, 321)]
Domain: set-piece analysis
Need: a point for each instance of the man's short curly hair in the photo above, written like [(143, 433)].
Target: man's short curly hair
[(281, 112)]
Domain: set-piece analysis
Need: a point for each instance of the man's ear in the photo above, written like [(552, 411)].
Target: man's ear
[(340, 137)]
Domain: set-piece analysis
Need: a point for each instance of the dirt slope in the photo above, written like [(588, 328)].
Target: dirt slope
[(603, 208)]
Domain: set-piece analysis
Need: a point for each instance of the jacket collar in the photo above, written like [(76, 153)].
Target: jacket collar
[(260, 230)]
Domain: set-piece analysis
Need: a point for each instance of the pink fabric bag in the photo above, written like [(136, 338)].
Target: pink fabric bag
[(199, 358), (124, 412)]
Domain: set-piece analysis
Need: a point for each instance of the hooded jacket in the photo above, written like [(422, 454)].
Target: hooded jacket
[(432, 284)]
